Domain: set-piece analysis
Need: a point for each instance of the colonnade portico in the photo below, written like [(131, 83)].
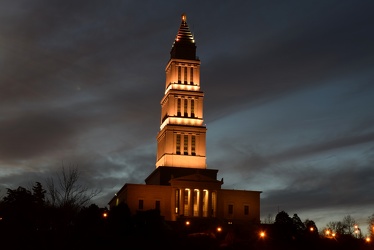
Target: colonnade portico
[(195, 202)]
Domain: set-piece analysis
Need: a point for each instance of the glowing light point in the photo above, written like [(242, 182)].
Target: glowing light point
[(262, 234)]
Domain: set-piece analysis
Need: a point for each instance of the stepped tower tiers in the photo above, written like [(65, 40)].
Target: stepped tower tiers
[(181, 141), (181, 187)]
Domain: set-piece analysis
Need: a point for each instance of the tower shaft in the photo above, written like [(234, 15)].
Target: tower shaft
[(181, 141)]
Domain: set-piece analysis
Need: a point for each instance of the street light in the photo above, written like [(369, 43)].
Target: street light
[(262, 234)]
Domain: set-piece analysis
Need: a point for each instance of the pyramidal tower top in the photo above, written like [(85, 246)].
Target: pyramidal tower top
[(181, 140), (184, 46)]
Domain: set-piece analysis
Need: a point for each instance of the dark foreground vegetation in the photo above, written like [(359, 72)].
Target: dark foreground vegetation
[(28, 222), (60, 218)]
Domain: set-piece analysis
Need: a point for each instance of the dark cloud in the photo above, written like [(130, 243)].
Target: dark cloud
[(324, 189), (331, 44), (33, 135), (330, 144)]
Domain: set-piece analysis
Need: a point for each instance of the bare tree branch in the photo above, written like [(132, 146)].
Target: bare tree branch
[(69, 193)]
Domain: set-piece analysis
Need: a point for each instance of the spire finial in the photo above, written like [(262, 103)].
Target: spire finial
[(184, 17)]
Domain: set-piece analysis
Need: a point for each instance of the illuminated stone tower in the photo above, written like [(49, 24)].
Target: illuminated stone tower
[(181, 186), (181, 141)]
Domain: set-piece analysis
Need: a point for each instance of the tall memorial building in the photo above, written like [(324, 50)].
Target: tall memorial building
[(181, 186)]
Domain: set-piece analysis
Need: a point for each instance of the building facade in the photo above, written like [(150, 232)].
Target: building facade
[(181, 186)]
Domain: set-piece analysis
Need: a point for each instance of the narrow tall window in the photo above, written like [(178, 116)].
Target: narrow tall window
[(179, 107), (214, 204), (141, 204), (178, 145), (186, 202), (185, 75), (191, 76), (158, 205), (185, 107), (192, 108), (231, 209), (185, 144), (246, 209), (179, 74), (205, 203), (193, 145), (196, 203), (177, 201)]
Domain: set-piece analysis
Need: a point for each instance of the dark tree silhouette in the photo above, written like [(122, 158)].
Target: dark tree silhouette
[(371, 225), (284, 227), (120, 219), (298, 224), (38, 193), (65, 191), (18, 207), (344, 228), (18, 196), (23, 217), (349, 225), (310, 227)]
